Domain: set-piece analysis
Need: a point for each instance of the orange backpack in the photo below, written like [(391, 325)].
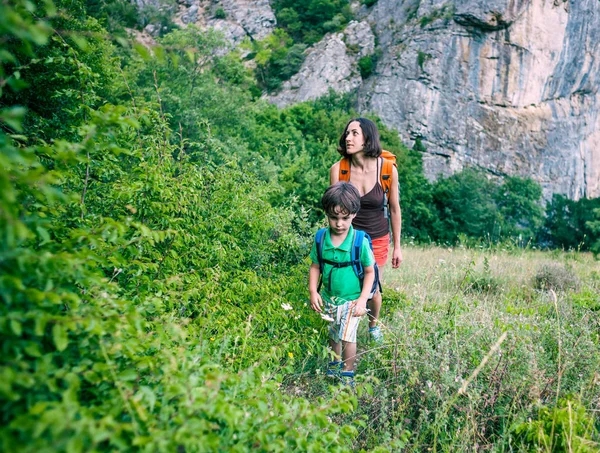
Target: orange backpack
[(389, 161)]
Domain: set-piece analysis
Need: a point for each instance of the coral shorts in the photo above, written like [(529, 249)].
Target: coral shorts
[(381, 248)]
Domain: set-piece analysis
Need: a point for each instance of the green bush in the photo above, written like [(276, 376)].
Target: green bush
[(568, 223), (307, 22), (556, 277), (465, 205), (565, 427), (220, 13), (366, 65)]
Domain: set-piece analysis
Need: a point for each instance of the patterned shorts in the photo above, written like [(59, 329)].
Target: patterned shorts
[(344, 326)]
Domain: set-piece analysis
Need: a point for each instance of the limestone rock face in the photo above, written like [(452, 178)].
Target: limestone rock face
[(330, 64), (242, 19), (509, 86), (252, 18)]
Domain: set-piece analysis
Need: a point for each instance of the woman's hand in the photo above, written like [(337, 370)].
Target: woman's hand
[(396, 257)]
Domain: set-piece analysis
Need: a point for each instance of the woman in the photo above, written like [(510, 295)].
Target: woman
[(360, 145)]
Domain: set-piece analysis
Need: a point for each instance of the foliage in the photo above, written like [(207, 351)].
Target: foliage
[(520, 208), (74, 71), (366, 65), (277, 59), (368, 3), (554, 276), (155, 217), (569, 223), (465, 205), (563, 428), (307, 22), (127, 267), (444, 12), (220, 13), (594, 226), (116, 15), (422, 57)]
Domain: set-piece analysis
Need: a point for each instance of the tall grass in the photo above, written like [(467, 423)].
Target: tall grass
[(479, 356)]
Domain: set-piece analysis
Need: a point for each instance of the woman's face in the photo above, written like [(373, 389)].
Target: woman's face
[(355, 140)]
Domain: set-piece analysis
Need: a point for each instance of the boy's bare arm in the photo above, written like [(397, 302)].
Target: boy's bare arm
[(316, 303), (360, 304)]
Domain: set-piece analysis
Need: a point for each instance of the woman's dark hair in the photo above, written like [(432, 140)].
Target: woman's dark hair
[(342, 194), (371, 135)]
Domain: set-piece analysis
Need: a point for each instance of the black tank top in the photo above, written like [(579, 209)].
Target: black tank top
[(370, 217)]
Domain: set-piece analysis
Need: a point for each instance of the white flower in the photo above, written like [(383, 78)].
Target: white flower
[(287, 307), (326, 317)]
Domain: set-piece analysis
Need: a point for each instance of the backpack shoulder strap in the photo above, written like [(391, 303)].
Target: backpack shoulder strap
[(319, 239), (387, 171), (359, 237), (344, 173)]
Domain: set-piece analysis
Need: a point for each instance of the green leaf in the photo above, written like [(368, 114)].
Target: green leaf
[(60, 337), (16, 327), (13, 117)]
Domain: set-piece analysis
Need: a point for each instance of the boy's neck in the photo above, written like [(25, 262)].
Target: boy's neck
[(338, 239)]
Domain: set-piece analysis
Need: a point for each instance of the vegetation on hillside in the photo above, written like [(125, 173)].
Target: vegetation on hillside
[(155, 218)]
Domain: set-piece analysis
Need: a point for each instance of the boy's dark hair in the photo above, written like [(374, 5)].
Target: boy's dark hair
[(371, 134), (342, 194)]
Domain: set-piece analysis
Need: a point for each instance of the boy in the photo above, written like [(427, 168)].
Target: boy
[(343, 301)]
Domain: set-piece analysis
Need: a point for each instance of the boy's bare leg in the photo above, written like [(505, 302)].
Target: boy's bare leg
[(374, 305), (336, 347), (348, 355)]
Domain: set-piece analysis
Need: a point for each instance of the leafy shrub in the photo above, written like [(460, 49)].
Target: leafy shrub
[(307, 22), (555, 276), (142, 296), (482, 281), (569, 224), (564, 428), (366, 65), (277, 59), (465, 205), (422, 57), (220, 14)]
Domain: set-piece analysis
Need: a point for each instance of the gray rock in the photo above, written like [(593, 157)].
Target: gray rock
[(359, 35), (327, 66), (509, 86), (191, 15), (255, 18)]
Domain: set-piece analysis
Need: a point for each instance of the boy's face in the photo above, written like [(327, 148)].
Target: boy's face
[(339, 221)]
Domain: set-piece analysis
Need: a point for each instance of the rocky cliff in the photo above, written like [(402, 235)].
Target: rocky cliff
[(510, 86)]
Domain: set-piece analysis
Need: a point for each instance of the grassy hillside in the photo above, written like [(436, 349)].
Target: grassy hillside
[(486, 350)]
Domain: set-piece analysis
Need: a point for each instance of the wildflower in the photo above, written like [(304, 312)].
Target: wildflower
[(286, 307), (326, 317), (212, 338), (290, 355)]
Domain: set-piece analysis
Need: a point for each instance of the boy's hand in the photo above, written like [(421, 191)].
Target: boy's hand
[(316, 303), (360, 308)]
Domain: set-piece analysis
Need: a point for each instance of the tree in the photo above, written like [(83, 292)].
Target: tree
[(465, 206), (520, 208), (569, 223)]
